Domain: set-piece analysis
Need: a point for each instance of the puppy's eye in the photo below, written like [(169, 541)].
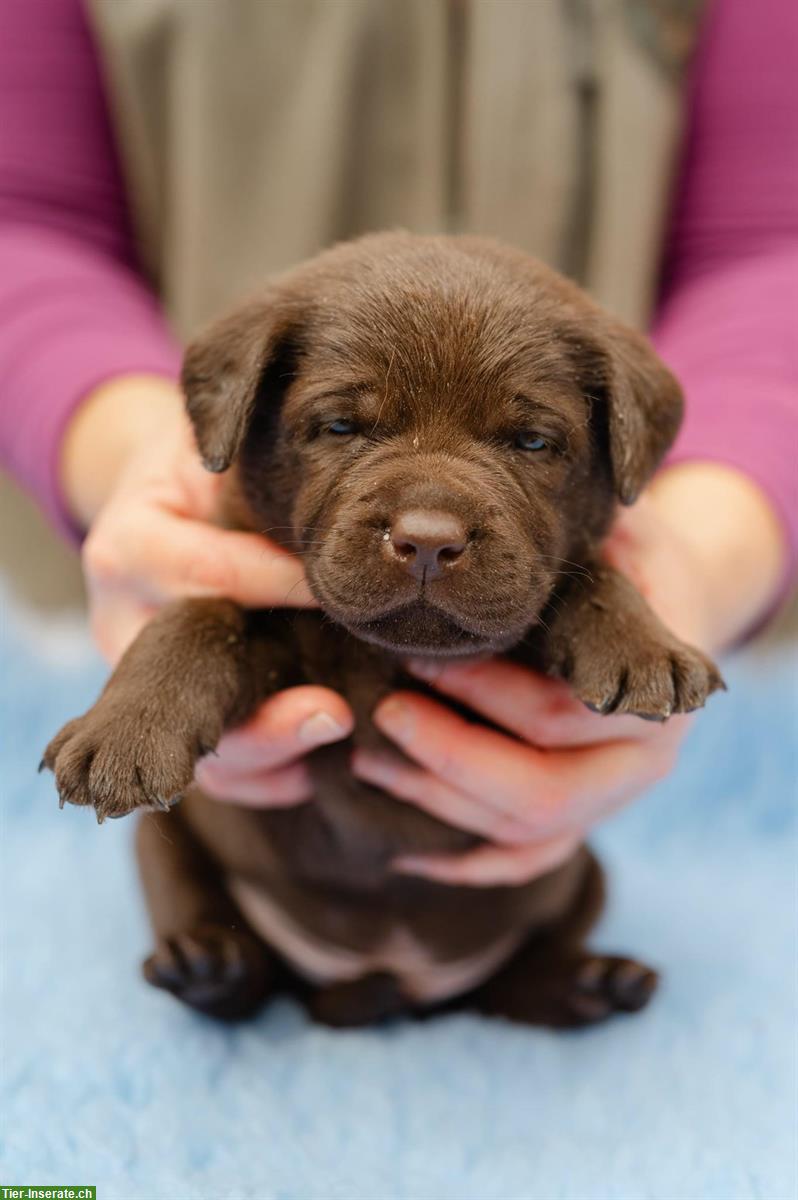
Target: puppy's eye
[(529, 440), (343, 427)]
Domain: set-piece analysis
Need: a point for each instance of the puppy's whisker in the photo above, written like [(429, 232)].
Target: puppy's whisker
[(290, 528), (580, 569), (580, 577), (292, 588)]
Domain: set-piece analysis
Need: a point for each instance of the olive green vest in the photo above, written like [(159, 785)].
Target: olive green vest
[(255, 132)]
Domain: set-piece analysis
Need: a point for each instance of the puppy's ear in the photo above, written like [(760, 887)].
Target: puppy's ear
[(644, 407), (223, 369)]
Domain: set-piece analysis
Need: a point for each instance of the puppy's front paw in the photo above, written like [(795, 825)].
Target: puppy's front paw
[(116, 760), (645, 675)]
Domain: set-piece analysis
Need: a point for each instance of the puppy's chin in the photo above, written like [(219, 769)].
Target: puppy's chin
[(418, 628)]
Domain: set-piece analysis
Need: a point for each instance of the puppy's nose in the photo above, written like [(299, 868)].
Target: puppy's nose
[(426, 541)]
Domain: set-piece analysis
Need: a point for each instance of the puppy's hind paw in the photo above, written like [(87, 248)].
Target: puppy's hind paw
[(220, 971), (604, 984)]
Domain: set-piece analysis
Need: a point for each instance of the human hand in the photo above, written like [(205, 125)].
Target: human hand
[(707, 557), (133, 478), (532, 792), (151, 535)]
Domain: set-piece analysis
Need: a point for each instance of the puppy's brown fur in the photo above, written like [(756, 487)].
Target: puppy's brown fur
[(442, 428)]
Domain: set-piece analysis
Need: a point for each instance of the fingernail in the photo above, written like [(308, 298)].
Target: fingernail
[(395, 718), (407, 865), (421, 868), (319, 729), (425, 668), (373, 767)]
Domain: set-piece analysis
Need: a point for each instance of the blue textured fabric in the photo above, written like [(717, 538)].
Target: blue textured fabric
[(105, 1081)]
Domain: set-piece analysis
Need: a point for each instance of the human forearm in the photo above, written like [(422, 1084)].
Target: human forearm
[(75, 310), (72, 319), (728, 335), (726, 318)]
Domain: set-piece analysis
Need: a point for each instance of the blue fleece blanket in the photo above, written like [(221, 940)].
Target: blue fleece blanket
[(107, 1082)]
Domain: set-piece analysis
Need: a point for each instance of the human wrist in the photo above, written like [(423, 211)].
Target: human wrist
[(735, 541), (114, 422)]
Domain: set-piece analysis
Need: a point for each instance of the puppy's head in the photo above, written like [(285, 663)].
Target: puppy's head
[(438, 425)]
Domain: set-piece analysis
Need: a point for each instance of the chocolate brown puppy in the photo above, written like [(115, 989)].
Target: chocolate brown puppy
[(442, 428)]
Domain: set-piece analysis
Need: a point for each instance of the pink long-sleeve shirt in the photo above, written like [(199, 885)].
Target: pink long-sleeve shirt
[(74, 310)]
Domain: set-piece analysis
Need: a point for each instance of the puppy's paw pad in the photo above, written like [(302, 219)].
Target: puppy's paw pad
[(219, 971)]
